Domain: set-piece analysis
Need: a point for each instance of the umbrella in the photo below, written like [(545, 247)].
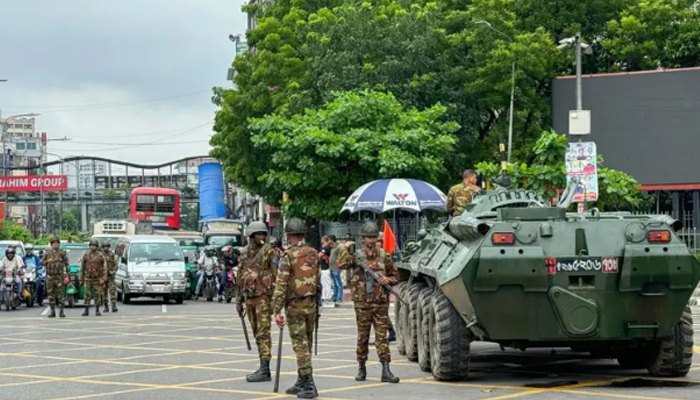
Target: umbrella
[(391, 194)]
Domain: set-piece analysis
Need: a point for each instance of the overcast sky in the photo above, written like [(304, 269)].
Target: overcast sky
[(118, 72)]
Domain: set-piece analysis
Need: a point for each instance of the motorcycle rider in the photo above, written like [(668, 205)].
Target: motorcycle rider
[(229, 262), (31, 259), (12, 262), (208, 258)]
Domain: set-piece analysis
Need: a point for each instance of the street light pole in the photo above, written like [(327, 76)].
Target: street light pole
[(60, 194), (512, 87), (579, 98)]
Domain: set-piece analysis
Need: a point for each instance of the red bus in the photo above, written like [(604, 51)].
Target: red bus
[(160, 206)]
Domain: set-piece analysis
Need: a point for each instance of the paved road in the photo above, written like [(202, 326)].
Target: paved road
[(197, 351)]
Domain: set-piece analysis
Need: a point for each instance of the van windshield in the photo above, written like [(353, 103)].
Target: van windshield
[(155, 252)]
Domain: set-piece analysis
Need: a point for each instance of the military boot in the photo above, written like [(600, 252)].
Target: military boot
[(97, 310), (387, 376), (262, 374), (309, 391), (361, 372), (392, 335), (106, 308), (60, 313), (52, 314), (298, 386), (114, 307), (86, 312)]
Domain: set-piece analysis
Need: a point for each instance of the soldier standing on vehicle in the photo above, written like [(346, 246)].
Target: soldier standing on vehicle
[(297, 289), (462, 194), (255, 285), (371, 300), (56, 263), (93, 274), (110, 287)]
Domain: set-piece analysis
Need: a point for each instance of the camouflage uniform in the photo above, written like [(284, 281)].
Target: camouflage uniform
[(459, 197), (93, 274), (370, 309), (56, 263), (110, 288), (297, 289), (255, 284)]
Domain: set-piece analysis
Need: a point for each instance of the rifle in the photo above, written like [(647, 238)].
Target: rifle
[(373, 277), (318, 315), (279, 361), (245, 332)]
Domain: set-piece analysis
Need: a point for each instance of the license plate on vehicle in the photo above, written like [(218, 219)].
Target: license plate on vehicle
[(158, 288), (606, 265)]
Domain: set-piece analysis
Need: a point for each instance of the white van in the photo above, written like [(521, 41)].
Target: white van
[(150, 266)]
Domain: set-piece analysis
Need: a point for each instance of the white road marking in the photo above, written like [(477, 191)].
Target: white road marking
[(165, 308), (46, 311)]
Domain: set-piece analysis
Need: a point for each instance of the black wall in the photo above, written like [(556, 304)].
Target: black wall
[(646, 124)]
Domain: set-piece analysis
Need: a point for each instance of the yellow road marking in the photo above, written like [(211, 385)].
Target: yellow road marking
[(88, 396), (618, 395)]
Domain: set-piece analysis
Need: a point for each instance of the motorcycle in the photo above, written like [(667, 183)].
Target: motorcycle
[(33, 283), (230, 288), (210, 284), (11, 300)]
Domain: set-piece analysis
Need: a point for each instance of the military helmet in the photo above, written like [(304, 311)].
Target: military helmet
[(256, 227), (295, 226), (370, 229), (54, 239), (106, 244), (94, 242)]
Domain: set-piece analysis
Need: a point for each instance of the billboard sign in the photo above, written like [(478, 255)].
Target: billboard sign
[(581, 162), (34, 183)]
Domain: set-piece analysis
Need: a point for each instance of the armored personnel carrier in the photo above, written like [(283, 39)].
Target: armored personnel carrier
[(515, 271)]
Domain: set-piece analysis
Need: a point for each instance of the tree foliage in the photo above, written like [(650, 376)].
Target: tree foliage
[(323, 155), (547, 176), (430, 52)]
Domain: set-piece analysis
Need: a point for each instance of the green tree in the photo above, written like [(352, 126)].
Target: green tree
[(547, 176), (12, 231), (321, 156)]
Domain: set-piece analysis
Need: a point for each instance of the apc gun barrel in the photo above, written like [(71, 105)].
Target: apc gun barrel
[(467, 228)]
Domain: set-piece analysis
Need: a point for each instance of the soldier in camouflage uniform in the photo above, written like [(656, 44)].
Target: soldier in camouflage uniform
[(110, 288), (255, 284), (462, 194), (93, 274), (370, 299), (298, 289), (56, 263)]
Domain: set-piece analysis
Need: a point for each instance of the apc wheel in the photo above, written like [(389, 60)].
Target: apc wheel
[(126, 299), (401, 318), (673, 355), (412, 331), (424, 303), (449, 339)]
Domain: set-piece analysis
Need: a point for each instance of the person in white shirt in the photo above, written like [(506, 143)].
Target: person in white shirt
[(11, 261), (208, 258)]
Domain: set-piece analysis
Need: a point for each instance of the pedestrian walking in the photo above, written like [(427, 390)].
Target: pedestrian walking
[(326, 280), (55, 262), (370, 300), (297, 290), (93, 274), (255, 285), (333, 266), (110, 288)]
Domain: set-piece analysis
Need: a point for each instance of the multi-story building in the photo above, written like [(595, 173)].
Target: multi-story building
[(81, 174)]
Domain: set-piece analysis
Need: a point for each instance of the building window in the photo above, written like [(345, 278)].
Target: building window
[(31, 146), (21, 146)]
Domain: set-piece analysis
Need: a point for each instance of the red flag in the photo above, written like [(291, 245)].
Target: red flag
[(389, 238)]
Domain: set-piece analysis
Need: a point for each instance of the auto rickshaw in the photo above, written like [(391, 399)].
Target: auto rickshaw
[(191, 254), (74, 290)]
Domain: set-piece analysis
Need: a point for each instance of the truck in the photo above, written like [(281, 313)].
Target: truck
[(516, 271)]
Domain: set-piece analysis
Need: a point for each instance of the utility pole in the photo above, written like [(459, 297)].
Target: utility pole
[(579, 97)]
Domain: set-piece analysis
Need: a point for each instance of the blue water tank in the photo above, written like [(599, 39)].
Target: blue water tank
[(212, 201)]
